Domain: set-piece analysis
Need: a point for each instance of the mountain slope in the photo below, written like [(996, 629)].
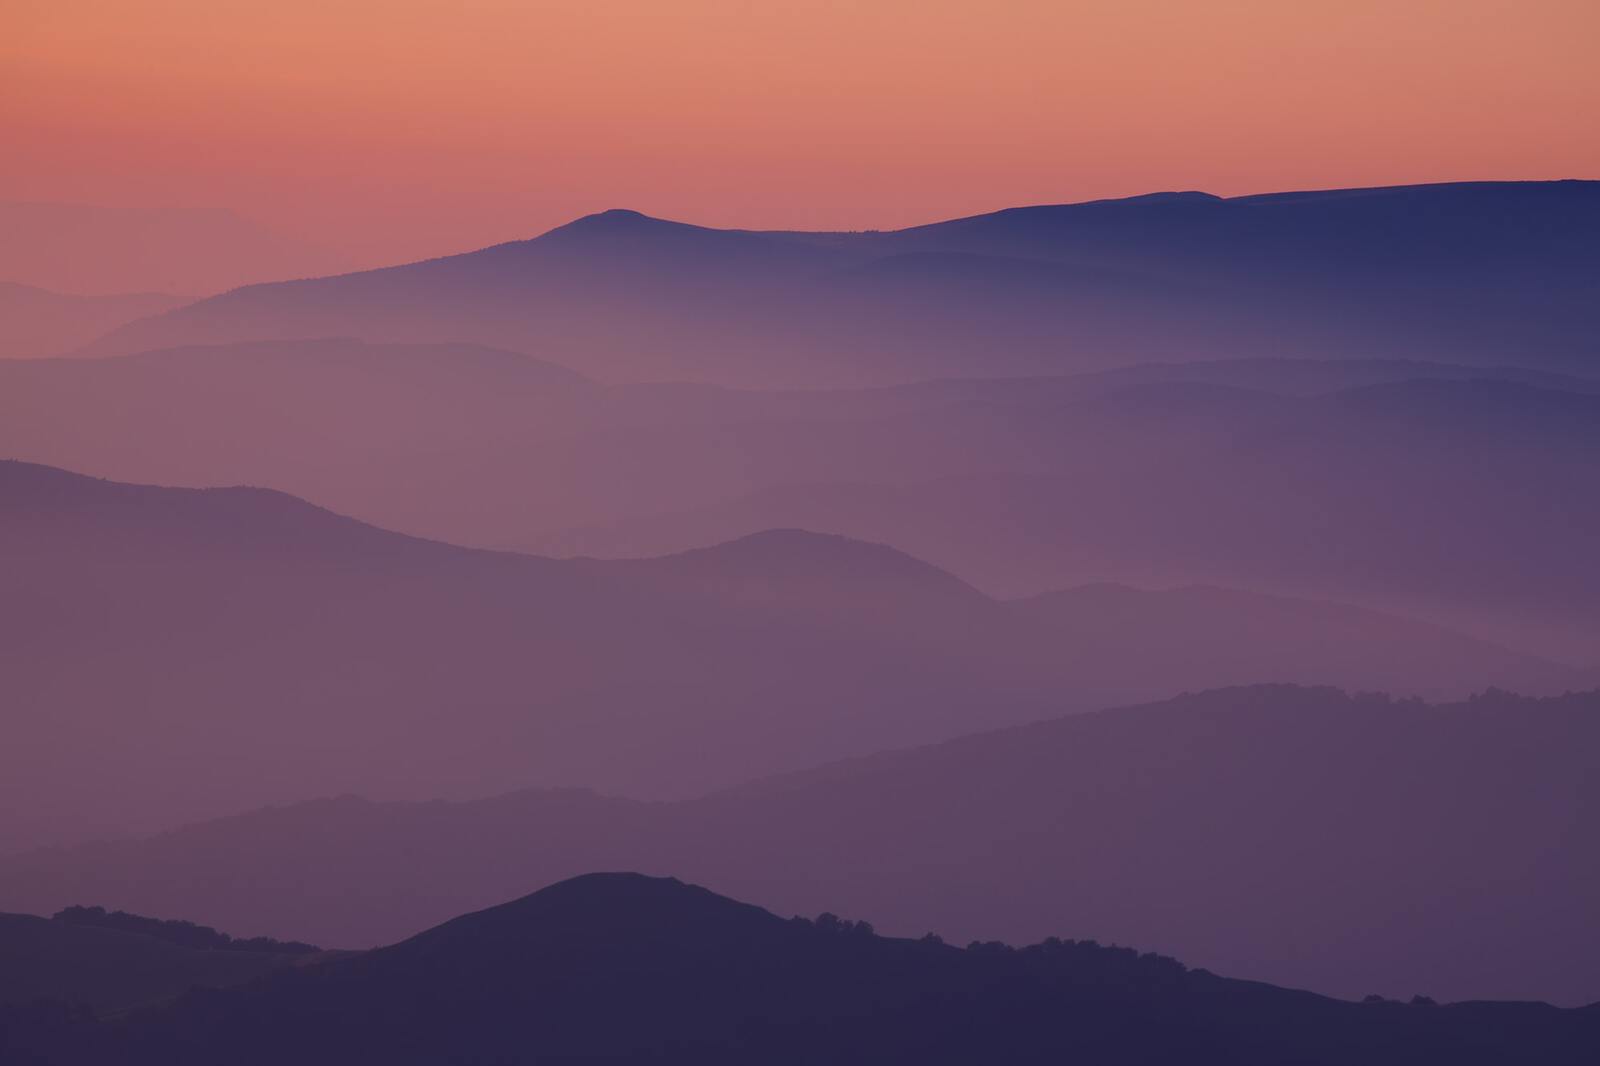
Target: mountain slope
[(1347, 845), (37, 322), (224, 624), (1465, 500), (109, 969), (384, 647), (1477, 272), (1460, 494), (620, 968)]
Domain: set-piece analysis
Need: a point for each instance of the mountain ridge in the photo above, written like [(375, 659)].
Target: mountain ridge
[(1014, 485), (626, 968), (1284, 833), (110, 970), (634, 298)]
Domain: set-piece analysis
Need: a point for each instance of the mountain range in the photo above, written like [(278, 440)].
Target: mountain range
[(614, 968), (112, 970), (1475, 272), (229, 627), (1214, 575), (38, 322), (1456, 493), (1351, 845)]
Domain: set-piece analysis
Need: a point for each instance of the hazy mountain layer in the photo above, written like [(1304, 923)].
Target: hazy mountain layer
[(1348, 845), (37, 322), (246, 647), (1462, 494), (1478, 272)]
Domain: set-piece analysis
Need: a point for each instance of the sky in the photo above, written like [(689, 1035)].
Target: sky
[(389, 130)]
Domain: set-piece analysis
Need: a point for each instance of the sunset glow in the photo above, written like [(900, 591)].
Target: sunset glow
[(438, 127), (712, 532)]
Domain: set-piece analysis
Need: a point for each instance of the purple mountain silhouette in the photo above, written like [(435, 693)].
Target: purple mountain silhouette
[(1346, 844), (617, 967), (1454, 492), (1477, 272), (248, 647), (38, 322), (112, 969)]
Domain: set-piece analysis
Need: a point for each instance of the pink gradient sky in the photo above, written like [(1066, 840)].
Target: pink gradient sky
[(408, 127)]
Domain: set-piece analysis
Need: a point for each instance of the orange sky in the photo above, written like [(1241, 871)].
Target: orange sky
[(393, 128)]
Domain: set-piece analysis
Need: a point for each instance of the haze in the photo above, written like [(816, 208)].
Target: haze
[(509, 509)]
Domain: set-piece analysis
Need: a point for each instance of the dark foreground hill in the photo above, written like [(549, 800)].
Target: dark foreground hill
[(109, 969), (619, 968), (1299, 836)]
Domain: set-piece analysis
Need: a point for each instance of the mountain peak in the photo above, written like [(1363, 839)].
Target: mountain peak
[(619, 214), (610, 888), (627, 236), (1179, 196), (620, 220), (803, 554), (589, 910)]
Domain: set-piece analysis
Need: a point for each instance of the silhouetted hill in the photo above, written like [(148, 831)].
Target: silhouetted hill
[(797, 568), (37, 322), (1476, 272), (1464, 500), (46, 509), (621, 241), (178, 931), (224, 623), (1456, 493), (622, 968), (112, 969), (798, 553), (1350, 845)]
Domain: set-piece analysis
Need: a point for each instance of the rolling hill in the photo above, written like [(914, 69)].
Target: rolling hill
[(228, 626), (623, 968), (36, 322), (1474, 272), (1455, 493), (110, 970), (1351, 845)]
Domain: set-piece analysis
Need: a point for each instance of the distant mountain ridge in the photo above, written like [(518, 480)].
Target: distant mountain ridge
[(1473, 272), (37, 322), (1014, 485), (485, 671), (1215, 575), (1347, 844)]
